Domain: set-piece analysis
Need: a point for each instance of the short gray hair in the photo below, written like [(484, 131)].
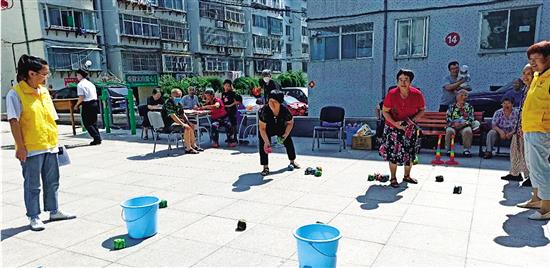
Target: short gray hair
[(174, 90), (266, 72)]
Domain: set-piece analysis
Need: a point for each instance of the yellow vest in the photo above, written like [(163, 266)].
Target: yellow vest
[(38, 126), (535, 115)]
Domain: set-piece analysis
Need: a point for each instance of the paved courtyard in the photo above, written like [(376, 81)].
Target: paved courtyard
[(415, 225)]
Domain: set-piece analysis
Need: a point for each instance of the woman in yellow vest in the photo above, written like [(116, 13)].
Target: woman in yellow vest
[(32, 116), (535, 120)]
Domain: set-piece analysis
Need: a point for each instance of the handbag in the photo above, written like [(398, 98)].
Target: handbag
[(63, 156)]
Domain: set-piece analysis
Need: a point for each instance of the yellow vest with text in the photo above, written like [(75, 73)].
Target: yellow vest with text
[(535, 115), (37, 122)]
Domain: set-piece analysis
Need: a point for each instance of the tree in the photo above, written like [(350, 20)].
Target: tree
[(243, 85), (292, 79)]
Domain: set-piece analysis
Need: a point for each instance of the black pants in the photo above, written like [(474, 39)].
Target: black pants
[(232, 116), (90, 110), (215, 131), (289, 145)]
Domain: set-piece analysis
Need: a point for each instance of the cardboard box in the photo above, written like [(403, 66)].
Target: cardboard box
[(361, 142)]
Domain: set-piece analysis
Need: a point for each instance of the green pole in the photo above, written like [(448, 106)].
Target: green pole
[(131, 112), (106, 111)]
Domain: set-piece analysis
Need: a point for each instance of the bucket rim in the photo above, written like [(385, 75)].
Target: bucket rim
[(336, 238), (143, 206)]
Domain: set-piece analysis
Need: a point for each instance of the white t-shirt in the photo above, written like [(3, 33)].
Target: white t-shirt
[(87, 89), (13, 110)]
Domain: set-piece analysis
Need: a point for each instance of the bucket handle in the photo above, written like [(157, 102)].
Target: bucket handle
[(122, 215), (316, 249)]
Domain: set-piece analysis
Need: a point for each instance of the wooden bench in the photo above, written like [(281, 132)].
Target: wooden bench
[(435, 123)]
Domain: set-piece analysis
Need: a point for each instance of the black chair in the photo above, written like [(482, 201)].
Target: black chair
[(159, 128), (142, 111), (332, 120)]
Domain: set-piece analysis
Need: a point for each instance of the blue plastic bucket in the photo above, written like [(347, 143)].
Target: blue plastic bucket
[(317, 245), (141, 216)]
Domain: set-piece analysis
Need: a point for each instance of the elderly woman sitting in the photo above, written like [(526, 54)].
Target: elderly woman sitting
[(460, 118), (504, 124)]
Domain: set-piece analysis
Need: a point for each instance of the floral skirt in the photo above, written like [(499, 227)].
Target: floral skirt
[(399, 146)]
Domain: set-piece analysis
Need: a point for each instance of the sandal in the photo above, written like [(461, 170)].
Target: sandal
[(198, 149), (530, 205), (192, 151), (394, 183), (467, 154), (408, 179), (265, 172), (294, 165)]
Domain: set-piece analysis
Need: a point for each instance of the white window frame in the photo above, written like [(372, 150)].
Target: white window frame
[(146, 58), (424, 40), (48, 24), (125, 19), (172, 8), (342, 34), (234, 15), (506, 49), (217, 64), (76, 58), (186, 59), (175, 25)]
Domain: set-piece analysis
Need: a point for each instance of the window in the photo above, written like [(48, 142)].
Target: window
[(275, 26), (259, 21), (288, 49), (507, 29), (325, 43), (213, 37), (173, 31), (289, 66), (411, 37), (172, 4), (304, 31), (134, 61), (211, 11), (176, 63), (234, 15), (287, 11), (288, 30), (262, 44), (68, 18), (139, 26), (73, 59), (276, 45), (273, 65), (216, 65), (304, 66), (357, 41), (235, 65), (305, 48), (235, 39)]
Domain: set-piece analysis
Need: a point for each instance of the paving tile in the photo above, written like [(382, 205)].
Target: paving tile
[(65, 258), (322, 202), (169, 251), (264, 239), (447, 201), (293, 218), (229, 257), (394, 256), (353, 252), (438, 217), (434, 239), (171, 220), (363, 228), (275, 196), (376, 209), (248, 210), (472, 263), (386, 194), (203, 204), (213, 230), (16, 252)]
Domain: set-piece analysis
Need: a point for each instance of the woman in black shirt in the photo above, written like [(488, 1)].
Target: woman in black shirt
[(229, 98), (154, 103), (275, 120)]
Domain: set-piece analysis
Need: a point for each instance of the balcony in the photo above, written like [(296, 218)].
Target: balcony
[(263, 51)]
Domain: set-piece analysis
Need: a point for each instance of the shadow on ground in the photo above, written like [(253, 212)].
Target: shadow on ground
[(523, 232), (174, 152), (129, 242), (247, 180), (9, 232), (380, 194), (514, 194)]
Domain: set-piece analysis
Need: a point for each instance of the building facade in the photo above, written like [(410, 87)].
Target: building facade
[(139, 40), (357, 48)]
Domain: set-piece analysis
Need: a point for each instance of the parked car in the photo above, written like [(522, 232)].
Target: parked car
[(300, 93), (489, 101), (296, 107), (117, 93)]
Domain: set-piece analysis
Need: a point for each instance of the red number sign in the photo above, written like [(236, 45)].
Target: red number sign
[(452, 39)]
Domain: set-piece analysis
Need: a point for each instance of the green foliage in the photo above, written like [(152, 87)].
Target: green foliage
[(292, 79), (243, 85), (215, 82)]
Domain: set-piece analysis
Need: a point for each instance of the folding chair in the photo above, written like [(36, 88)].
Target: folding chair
[(142, 111)]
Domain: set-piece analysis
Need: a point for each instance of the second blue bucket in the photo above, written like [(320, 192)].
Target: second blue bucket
[(317, 245), (141, 216)]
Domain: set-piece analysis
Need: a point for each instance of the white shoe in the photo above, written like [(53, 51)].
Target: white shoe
[(37, 224), (540, 217), (60, 215)]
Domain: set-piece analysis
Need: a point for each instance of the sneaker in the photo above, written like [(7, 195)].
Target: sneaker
[(487, 155), (98, 142), (37, 224), (526, 183), (539, 216), (60, 215)]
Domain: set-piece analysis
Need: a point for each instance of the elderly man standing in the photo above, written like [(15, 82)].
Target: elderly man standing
[(460, 118), (535, 120), (504, 124), (451, 85), (268, 84)]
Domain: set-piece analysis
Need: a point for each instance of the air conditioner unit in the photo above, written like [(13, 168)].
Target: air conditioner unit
[(219, 24), (229, 50), (221, 49), (166, 46)]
